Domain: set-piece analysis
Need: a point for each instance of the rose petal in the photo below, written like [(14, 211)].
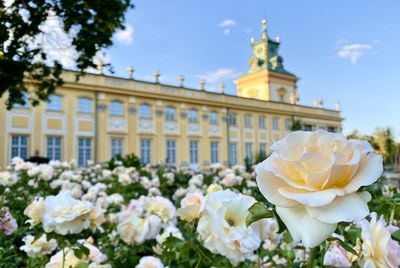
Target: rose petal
[(346, 208), (269, 184), (369, 171), (303, 227), (312, 199)]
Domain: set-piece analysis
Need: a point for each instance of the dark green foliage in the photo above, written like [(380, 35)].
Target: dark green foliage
[(130, 160), (93, 23)]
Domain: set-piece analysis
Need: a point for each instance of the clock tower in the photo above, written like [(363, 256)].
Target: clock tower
[(266, 78)]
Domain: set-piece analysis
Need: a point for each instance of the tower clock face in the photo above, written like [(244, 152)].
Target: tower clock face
[(259, 51)]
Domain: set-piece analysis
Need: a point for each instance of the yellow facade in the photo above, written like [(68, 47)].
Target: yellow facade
[(130, 116)]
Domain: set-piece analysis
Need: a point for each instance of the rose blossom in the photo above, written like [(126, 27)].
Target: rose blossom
[(38, 247), (8, 224), (222, 226), (64, 214), (313, 179), (150, 262), (378, 248), (190, 206), (134, 229)]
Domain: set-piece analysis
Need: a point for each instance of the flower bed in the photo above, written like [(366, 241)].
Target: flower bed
[(309, 203)]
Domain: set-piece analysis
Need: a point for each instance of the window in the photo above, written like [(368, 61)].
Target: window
[(249, 151), (170, 114), (117, 147), (332, 129), (19, 146), (145, 111), (275, 123), (232, 119), (116, 108), (26, 100), (213, 118), (192, 116), (54, 103), (84, 151), (214, 152), (309, 127), (171, 152), (263, 148), (232, 153), (194, 152), (261, 122), (247, 121), (54, 148), (145, 151), (85, 105), (288, 124)]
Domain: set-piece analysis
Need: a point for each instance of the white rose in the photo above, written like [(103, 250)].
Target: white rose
[(64, 214), (378, 247), (150, 262), (39, 247), (222, 226), (190, 206), (313, 179), (161, 207), (124, 179), (34, 211), (134, 230), (7, 179), (64, 258)]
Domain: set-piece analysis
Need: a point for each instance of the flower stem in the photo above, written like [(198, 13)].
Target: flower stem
[(313, 252)]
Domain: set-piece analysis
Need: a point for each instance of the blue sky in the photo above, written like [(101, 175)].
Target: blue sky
[(341, 50)]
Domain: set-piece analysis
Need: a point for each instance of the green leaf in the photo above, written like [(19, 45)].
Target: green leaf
[(344, 245), (396, 235), (257, 212), (82, 265)]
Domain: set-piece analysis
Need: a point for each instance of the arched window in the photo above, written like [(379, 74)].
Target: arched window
[(145, 111), (170, 113), (54, 103), (192, 116), (116, 108), (85, 105)]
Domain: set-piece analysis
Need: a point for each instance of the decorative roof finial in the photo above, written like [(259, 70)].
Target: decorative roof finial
[(252, 40), (202, 83), (100, 66), (181, 78), (157, 75), (338, 106), (222, 87), (264, 28), (130, 70)]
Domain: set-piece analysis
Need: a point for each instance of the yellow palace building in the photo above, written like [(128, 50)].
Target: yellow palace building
[(101, 116)]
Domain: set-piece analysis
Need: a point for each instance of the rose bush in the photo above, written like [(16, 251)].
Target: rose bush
[(158, 216)]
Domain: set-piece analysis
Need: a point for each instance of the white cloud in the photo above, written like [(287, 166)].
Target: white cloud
[(227, 23), (220, 75), (125, 36), (55, 42), (353, 52), (227, 31)]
